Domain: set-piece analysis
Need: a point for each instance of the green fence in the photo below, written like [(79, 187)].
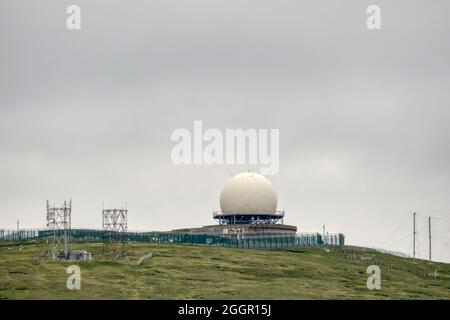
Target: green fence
[(266, 241)]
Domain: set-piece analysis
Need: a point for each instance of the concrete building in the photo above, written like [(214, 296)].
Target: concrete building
[(80, 255)]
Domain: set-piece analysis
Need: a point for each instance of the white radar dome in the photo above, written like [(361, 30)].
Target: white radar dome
[(248, 193)]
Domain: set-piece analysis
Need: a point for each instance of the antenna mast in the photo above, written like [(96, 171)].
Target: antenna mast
[(414, 235), (429, 237)]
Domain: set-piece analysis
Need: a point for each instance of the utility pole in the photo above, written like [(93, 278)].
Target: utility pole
[(323, 236), (414, 235), (18, 226), (429, 237)]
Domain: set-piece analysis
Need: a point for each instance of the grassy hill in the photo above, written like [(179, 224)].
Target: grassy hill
[(201, 272)]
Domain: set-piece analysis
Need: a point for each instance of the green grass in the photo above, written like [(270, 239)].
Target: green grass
[(201, 272)]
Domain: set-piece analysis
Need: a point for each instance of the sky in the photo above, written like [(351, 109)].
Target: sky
[(363, 115)]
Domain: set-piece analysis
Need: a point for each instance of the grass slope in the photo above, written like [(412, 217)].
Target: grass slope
[(200, 272)]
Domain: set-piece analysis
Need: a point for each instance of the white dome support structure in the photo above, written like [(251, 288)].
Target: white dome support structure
[(253, 219)]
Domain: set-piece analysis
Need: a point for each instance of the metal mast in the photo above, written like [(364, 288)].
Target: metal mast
[(114, 226), (429, 237), (414, 234), (59, 228)]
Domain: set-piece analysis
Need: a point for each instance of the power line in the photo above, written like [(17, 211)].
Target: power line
[(396, 230), (402, 238), (418, 234)]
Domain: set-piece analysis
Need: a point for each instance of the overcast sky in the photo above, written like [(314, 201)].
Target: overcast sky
[(364, 116)]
